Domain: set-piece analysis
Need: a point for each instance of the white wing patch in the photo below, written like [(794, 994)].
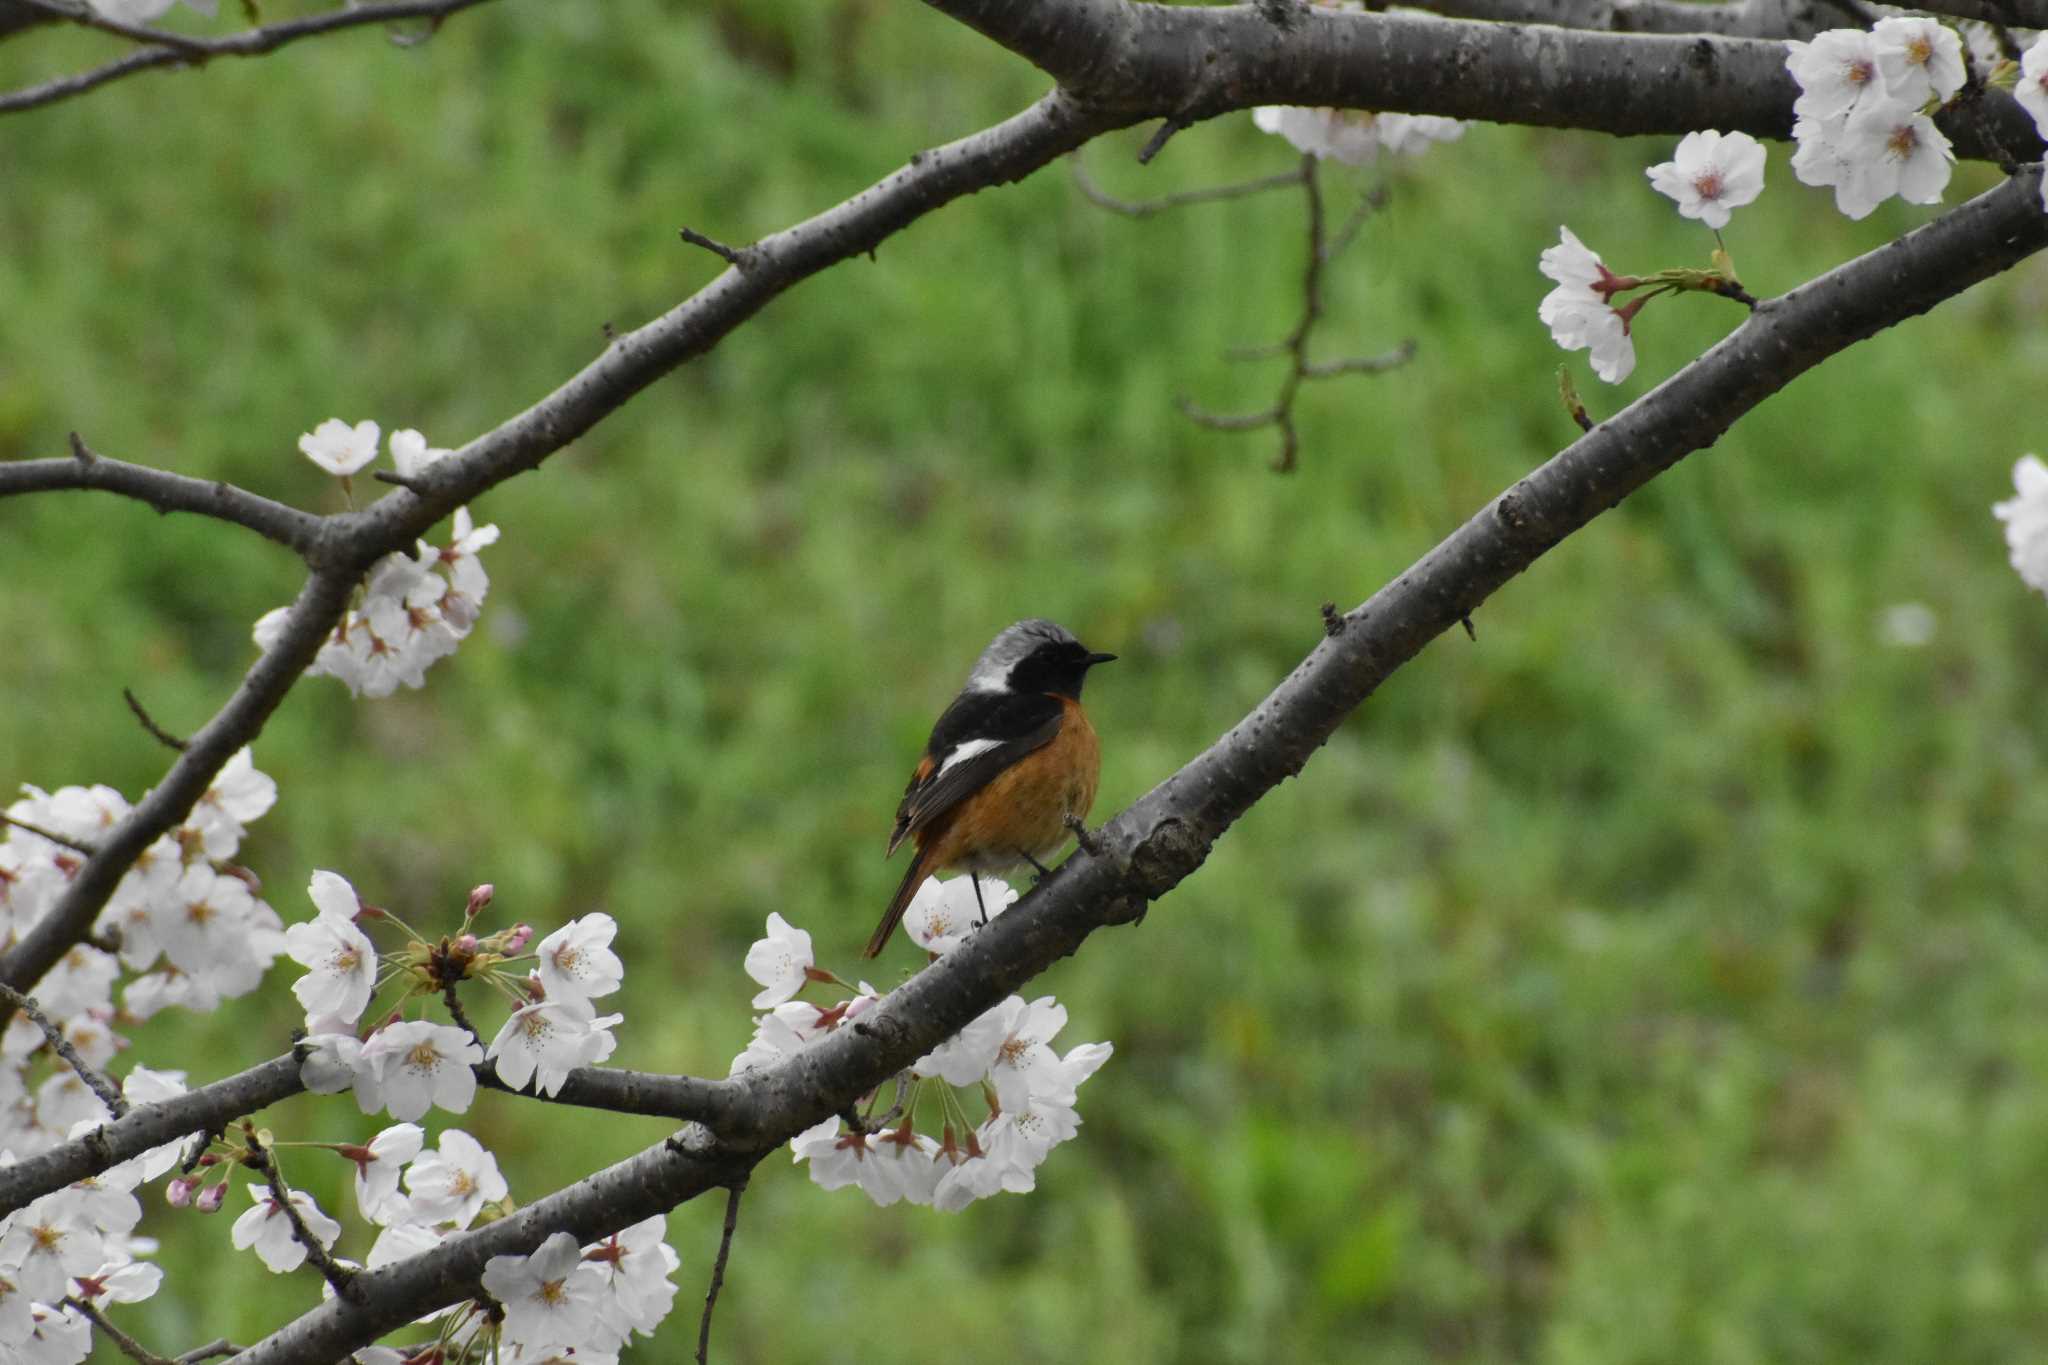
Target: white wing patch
[(966, 751)]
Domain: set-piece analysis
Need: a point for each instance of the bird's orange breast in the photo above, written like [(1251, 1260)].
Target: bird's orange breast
[(1022, 812)]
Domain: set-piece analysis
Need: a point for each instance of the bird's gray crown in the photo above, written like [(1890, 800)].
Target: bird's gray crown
[(992, 670)]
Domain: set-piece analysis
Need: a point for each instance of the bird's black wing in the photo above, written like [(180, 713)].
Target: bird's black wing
[(980, 735)]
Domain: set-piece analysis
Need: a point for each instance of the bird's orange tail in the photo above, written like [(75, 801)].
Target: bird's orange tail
[(914, 878)]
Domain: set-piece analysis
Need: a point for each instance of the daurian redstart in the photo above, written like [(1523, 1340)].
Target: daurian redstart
[(1010, 762)]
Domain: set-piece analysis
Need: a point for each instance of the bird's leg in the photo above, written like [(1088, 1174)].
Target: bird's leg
[(1041, 868), (1088, 842), (980, 909)]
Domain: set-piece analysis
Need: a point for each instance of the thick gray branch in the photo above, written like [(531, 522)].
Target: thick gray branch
[(1152, 845), (1188, 63)]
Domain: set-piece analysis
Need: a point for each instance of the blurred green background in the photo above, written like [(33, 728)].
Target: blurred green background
[(1660, 978)]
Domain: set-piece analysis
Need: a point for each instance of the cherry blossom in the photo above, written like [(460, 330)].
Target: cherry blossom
[(944, 914), (2026, 521), (548, 1039), (339, 448), (1579, 312), (780, 963), (341, 963), (379, 1164), (576, 961), (266, 1230), (421, 1065), (411, 453), (634, 1265), (549, 1297), (1711, 174), (1920, 59), (1890, 149), (453, 1183), (1837, 72)]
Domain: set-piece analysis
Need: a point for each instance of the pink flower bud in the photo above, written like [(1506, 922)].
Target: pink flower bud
[(179, 1192), (465, 945), (522, 934), (480, 899), (211, 1198)]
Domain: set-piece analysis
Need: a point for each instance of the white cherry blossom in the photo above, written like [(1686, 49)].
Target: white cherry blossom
[(2026, 521), (1920, 59), (551, 1296), (339, 448), (780, 963), (422, 1065), (378, 1166), (341, 963), (266, 1230), (548, 1039), (453, 1183), (1711, 174), (576, 961)]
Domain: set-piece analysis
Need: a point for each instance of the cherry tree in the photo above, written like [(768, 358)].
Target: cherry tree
[(957, 1085)]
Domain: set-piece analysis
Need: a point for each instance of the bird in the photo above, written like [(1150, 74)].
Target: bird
[(1010, 767)]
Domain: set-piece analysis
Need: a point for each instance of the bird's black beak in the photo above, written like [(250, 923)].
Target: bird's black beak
[(1094, 659)]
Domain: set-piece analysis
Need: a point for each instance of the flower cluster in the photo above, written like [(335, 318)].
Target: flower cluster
[(1862, 115), (1580, 312), (1710, 175), (1005, 1056), (2026, 521), (406, 1067), (562, 1300), (414, 609), (189, 925), (77, 1246), (1355, 136)]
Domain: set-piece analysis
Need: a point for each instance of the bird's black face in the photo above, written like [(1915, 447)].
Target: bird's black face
[(1057, 666)]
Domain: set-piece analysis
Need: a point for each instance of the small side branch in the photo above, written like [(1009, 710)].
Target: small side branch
[(178, 50), (125, 1344), (736, 257), (1146, 208), (732, 1220), (166, 492), (156, 732), (109, 1093), (339, 1276)]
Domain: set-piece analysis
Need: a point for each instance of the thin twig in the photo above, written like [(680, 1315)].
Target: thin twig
[(88, 17), (1145, 208), (156, 732), (340, 1276), (64, 840), (220, 1347), (732, 1218), (455, 1012), (1323, 247), (736, 257), (125, 1344), (1157, 141), (181, 51), (109, 1093), (1362, 364)]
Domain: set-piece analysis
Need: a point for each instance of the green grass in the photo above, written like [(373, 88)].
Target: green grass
[(1659, 978)]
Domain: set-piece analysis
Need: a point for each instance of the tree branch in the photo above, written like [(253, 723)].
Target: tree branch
[(212, 1107), (1196, 62), (297, 531), (732, 1220), (1156, 842), (108, 1093), (187, 51)]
